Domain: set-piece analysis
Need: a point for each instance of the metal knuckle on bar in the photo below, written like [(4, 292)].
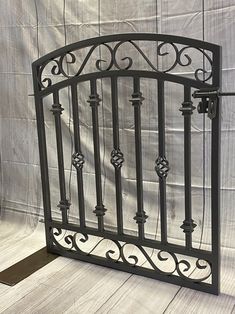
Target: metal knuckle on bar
[(57, 109), (94, 100), (137, 99), (64, 204), (188, 226), (140, 217), (187, 107), (100, 210)]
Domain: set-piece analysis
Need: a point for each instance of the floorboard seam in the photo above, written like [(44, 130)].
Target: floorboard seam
[(113, 295), (168, 305)]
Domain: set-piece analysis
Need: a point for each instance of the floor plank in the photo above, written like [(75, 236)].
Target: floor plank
[(77, 284), (140, 295)]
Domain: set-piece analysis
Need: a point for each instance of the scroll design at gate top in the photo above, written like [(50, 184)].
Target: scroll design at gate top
[(180, 267), (59, 66)]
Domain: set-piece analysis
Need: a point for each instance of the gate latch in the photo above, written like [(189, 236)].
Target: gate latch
[(209, 100), (208, 103)]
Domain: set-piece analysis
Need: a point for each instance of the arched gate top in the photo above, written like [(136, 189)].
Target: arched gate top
[(178, 57)]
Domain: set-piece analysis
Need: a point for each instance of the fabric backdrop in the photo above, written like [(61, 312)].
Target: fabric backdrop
[(30, 29)]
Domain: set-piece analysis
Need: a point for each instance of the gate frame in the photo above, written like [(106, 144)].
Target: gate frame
[(41, 90)]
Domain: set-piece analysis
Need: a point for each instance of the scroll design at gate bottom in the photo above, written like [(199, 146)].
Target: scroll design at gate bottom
[(118, 254)]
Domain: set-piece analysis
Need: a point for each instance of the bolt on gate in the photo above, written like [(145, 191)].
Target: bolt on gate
[(203, 84)]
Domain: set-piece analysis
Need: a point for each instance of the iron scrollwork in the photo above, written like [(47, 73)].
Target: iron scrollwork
[(181, 267), (181, 58)]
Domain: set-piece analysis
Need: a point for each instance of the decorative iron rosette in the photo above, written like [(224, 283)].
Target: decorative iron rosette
[(117, 158), (78, 160), (162, 167)]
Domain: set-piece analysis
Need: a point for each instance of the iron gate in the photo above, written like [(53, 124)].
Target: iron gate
[(204, 82)]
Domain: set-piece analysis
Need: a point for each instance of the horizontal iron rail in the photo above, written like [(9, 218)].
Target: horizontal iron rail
[(125, 37), (178, 249), (226, 93), (210, 93), (196, 95), (124, 73)]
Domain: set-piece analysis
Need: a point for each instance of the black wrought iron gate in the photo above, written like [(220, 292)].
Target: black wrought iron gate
[(203, 82)]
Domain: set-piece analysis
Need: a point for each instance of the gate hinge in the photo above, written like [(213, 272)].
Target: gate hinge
[(208, 103)]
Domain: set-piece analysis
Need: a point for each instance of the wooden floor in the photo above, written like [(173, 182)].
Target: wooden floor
[(69, 286)]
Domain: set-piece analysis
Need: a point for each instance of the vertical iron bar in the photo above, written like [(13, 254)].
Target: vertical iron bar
[(136, 102), (78, 158), (215, 175), (43, 167), (187, 110), (215, 196), (116, 155), (57, 110), (94, 102), (187, 168), (162, 178)]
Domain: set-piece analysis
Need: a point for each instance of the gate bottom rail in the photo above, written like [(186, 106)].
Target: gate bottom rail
[(181, 263)]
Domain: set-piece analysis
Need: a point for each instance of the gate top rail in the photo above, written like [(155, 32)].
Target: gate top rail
[(57, 62)]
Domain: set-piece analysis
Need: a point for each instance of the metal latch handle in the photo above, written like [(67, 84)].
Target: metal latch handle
[(209, 99)]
